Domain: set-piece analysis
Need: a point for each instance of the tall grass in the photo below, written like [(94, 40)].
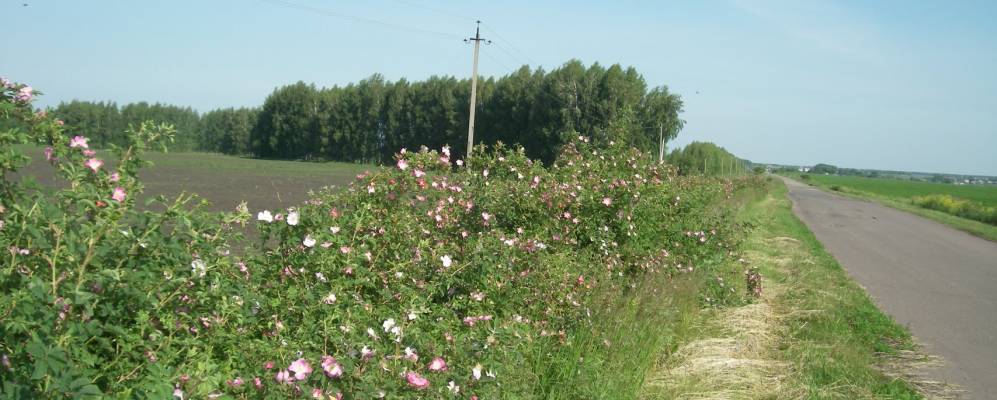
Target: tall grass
[(610, 358)]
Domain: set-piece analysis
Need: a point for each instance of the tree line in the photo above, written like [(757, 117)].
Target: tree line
[(105, 122), (705, 158), (370, 120), (223, 130)]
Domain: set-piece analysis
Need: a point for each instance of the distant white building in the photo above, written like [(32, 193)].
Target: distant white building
[(804, 169)]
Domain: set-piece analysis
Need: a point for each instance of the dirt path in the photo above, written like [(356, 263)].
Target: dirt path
[(940, 282)]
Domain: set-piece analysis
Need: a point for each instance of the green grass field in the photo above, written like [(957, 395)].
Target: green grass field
[(899, 194), (895, 188)]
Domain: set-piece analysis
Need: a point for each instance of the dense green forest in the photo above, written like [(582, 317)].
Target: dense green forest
[(105, 122), (370, 120)]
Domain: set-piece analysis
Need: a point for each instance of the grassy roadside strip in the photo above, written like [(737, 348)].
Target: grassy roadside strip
[(813, 333), (833, 331), (721, 352), (976, 228)]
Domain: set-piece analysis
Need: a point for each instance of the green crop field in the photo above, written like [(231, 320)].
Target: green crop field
[(971, 208), (898, 189)]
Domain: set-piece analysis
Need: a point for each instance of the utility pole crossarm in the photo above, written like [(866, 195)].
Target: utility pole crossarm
[(477, 39)]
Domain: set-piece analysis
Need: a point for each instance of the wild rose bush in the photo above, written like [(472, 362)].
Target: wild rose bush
[(434, 278), (93, 290)]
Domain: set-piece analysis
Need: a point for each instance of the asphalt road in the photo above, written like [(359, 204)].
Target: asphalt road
[(939, 282)]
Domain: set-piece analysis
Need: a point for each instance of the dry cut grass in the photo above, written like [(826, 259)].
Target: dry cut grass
[(813, 334), (737, 359)]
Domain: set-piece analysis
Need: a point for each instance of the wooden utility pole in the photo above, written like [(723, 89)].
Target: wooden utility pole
[(474, 88)]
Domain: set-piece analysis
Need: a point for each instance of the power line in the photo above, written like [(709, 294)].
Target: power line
[(518, 60), (359, 19), (500, 37), (464, 17), (484, 25), (436, 10), (504, 65), (366, 20)]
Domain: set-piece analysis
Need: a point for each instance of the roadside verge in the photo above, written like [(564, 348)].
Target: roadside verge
[(813, 332)]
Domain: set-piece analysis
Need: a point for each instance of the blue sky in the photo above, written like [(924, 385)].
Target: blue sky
[(890, 85)]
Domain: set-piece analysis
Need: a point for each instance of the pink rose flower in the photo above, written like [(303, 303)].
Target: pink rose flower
[(48, 154), (79, 141), (114, 177), (438, 364), (410, 354), (89, 153), (301, 369), (118, 195), (24, 94), (402, 164), (472, 320), (284, 376), (94, 164), (331, 367), (416, 381)]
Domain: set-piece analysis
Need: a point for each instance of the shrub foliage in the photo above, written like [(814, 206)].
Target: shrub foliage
[(435, 278), (958, 207)]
